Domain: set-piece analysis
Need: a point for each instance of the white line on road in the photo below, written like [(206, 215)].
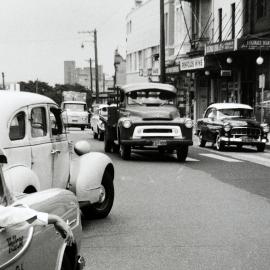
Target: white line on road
[(220, 157), (191, 159)]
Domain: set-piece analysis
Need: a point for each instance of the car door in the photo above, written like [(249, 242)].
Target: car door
[(41, 146), (60, 148)]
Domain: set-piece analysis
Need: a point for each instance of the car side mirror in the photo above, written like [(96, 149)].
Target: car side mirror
[(82, 147)]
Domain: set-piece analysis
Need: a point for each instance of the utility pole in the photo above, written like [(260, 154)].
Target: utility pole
[(96, 67), (162, 44), (3, 79), (91, 76)]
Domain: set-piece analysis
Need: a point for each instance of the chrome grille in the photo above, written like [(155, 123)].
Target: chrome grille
[(246, 131), (157, 130)]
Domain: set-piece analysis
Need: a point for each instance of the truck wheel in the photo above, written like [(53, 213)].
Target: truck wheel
[(102, 209), (182, 153), (260, 147), (125, 152)]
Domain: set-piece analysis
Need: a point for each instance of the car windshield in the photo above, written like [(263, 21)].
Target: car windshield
[(236, 113), (152, 97), (75, 107)]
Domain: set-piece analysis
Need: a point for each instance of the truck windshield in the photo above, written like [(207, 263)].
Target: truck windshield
[(75, 107), (236, 113), (151, 97)]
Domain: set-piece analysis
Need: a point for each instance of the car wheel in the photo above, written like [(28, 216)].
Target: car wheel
[(125, 152), (202, 142), (182, 153), (260, 147), (219, 144), (102, 209), (82, 128), (66, 263)]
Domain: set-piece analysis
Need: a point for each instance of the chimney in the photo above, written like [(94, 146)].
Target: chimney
[(138, 3)]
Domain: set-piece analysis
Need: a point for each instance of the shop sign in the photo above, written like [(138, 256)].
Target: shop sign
[(171, 70), (253, 44), (192, 63), (219, 47)]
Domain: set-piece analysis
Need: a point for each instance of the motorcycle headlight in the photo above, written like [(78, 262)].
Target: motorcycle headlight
[(227, 127), (188, 123), (265, 128), (126, 123)]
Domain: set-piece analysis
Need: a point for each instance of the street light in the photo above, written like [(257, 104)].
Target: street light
[(259, 60)]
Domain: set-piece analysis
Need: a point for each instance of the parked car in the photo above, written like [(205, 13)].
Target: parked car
[(40, 247), (75, 114), (147, 118), (96, 122), (227, 124), (35, 142)]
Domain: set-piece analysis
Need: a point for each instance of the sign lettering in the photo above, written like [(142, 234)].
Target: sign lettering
[(192, 63)]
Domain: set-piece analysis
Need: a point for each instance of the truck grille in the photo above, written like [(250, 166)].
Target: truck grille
[(157, 131), (246, 131)]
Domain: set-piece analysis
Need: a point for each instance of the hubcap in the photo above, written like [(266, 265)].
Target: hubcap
[(102, 194)]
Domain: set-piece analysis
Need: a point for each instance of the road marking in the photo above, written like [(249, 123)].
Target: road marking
[(191, 159), (220, 157)]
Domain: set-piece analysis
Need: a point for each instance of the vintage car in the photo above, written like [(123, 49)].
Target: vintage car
[(147, 118), (96, 123), (35, 142), (75, 114), (226, 124), (24, 246)]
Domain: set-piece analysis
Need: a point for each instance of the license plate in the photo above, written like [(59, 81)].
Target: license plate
[(160, 142), (74, 120), (247, 139)]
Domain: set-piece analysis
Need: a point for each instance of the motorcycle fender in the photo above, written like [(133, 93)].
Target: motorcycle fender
[(19, 177), (86, 175)]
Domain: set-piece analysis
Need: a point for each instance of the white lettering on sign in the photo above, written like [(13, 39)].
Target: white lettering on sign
[(192, 63)]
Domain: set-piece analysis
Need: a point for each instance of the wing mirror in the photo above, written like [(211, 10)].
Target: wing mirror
[(82, 147)]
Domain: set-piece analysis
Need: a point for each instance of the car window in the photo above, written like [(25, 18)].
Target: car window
[(56, 123), (208, 112), (17, 127), (38, 122)]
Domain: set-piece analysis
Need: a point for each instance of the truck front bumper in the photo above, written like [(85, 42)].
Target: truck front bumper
[(157, 142)]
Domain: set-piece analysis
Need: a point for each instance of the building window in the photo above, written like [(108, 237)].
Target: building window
[(261, 8), (220, 24), (233, 20), (135, 61)]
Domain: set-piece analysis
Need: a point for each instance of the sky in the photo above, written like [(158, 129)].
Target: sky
[(37, 36)]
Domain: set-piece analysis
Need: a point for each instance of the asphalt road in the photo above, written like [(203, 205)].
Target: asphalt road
[(211, 212)]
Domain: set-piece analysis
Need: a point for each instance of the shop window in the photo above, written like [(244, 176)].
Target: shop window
[(17, 127), (261, 8)]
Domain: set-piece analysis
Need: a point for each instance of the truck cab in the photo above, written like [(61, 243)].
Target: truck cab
[(147, 118)]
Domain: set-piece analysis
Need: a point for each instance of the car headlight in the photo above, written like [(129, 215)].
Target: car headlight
[(188, 123), (227, 127), (265, 128), (126, 123)]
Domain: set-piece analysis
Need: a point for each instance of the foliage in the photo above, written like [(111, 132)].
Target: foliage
[(55, 93)]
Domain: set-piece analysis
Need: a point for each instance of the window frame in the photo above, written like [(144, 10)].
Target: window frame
[(10, 125)]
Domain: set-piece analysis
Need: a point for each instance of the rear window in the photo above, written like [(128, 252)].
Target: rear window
[(17, 127), (75, 107)]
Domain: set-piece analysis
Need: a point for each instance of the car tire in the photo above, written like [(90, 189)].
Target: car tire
[(219, 144), (125, 152), (202, 142), (66, 263), (260, 147), (102, 210), (182, 153), (82, 128)]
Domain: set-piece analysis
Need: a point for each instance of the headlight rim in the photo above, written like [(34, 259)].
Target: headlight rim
[(188, 120), (124, 123), (227, 127)]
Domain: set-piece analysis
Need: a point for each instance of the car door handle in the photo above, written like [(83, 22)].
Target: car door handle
[(55, 151), (21, 252)]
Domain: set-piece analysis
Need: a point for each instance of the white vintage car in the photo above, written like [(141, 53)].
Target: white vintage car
[(35, 142), (24, 246), (75, 114)]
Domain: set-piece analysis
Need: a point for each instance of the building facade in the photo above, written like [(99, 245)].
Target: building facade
[(69, 72)]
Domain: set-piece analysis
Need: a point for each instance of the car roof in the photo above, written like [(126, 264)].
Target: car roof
[(142, 86), (219, 106)]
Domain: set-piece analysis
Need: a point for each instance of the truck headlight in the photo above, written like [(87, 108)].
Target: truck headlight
[(227, 127), (188, 123), (265, 128), (126, 123)]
